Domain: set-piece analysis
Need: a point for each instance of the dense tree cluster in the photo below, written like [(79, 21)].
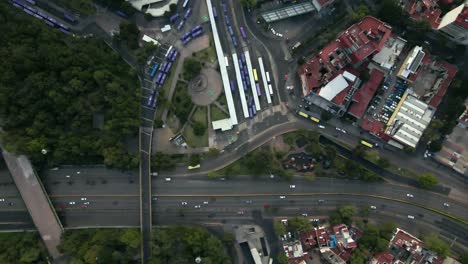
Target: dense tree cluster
[(105, 245), (343, 214), (192, 68), (427, 180), (21, 248), (182, 245), (75, 98), (129, 33)]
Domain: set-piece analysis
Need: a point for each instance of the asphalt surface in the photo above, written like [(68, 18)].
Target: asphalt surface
[(240, 205)]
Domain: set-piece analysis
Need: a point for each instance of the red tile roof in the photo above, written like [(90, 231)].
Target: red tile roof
[(365, 94), (462, 18), (426, 9), (353, 45), (308, 239), (406, 240), (373, 126), (383, 258), (451, 72)]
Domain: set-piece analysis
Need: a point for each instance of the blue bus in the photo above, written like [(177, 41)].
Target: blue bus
[(185, 36), (187, 13), (234, 41), (155, 102), (180, 25), (69, 17), (187, 40), (150, 99), (259, 92), (227, 20), (174, 17), (168, 67), (224, 7), (196, 28), (233, 86), (215, 14), (154, 70), (230, 30), (198, 33), (244, 35)]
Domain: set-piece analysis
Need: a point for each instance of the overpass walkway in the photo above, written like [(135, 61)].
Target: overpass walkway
[(37, 201)]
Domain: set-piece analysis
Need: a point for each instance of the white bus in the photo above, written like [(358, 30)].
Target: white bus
[(226, 60), (267, 77)]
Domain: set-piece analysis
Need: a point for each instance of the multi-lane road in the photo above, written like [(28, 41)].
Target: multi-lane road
[(114, 201)]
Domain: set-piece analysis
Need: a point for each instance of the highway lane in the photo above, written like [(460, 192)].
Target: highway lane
[(118, 184), (124, 211)]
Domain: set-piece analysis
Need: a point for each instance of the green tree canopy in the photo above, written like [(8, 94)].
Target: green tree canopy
[(299, 224), (22, 248), (192, 68), (279, 227), (434, 243), (73, 97), (180, 244), (390, 11), (199, 128), (427, 180)]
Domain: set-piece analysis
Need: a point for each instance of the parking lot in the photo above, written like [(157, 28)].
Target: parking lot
[(383, 106)]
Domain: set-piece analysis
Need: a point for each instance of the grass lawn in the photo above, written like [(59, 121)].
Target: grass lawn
[(193, 140), (222, 100), (217, 114), (181, 102), (207, 55), (200, 115)]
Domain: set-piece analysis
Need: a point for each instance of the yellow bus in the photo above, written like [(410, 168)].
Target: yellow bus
[(302, 114), (193, 167), (316, 120), (367, 144), (255, 75)]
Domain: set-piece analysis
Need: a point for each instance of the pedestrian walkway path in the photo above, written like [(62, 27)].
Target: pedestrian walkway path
[(37, 201)]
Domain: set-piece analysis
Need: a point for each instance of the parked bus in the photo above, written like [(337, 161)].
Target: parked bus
[(188, 12), (259, 92), (197, 33), (255, 75), (180, 25), (227, 20), (154, 70), (224, 7), (230, 31), (69, 17), (367, 144), (196, 28), (233, 86), (215, 14), (174, 17), (234, 41), (242, 31), (267, 77)]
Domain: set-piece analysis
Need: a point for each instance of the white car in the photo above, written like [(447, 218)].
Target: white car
[(205, 202), (410, 217), (409, 195), (155, 198), (282, 197), (373, 207), (83, 198), (249, 201), (154, 174), (197, 206), (446, 204), (71, 203), (86, 203), (292, 186), (2, 199), (304, 214), (67, 176), (168, 179), (320, 126), (184, 203)]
